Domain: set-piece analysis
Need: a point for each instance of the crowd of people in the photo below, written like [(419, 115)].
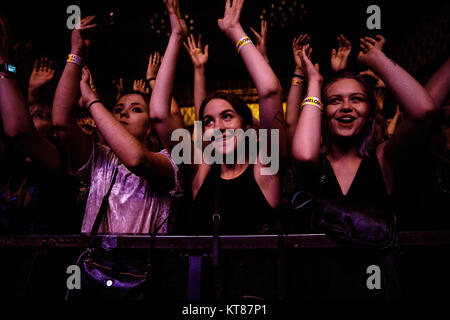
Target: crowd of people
[(49, 138), (59, 150)]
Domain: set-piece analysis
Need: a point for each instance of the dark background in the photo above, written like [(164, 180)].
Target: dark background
[(416, 33)]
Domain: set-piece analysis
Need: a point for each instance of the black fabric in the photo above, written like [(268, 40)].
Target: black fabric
[(244, 209), (342, 274), (364, 216), (368, 184)]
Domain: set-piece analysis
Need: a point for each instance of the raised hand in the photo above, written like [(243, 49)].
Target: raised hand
[(380, 95), (199, 58), (261, 42), (312, 71), (154, 61), (177, 23), (5, 40), (231, 17), (87, 94), (297, 47), (370, 48), (43, 72), (141, 86), (80, 39), (91, 80), (119, 86), (339, 58)]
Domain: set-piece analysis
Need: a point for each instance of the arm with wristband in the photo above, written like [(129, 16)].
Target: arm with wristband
[(130, 149), (297, 84), (265, 80), (306, 141), (76, 143)]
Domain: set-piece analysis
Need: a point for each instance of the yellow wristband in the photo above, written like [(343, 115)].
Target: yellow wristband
[(312, 101), (296, 82), (73, 58), (244, 40)]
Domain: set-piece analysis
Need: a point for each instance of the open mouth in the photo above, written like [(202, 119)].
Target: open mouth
[(346, 120)]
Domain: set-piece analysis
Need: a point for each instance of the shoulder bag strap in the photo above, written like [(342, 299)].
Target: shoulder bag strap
[(101, 213)]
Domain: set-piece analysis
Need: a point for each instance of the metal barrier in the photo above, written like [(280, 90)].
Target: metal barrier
[(196, 248), (227, 242)]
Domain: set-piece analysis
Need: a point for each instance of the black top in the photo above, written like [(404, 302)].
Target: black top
[(242, 205), (367, 186)]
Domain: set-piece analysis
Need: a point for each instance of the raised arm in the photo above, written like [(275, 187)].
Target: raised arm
[(131, 152), (77, 144), (339, 57), (160, 110), (265, 80), (16, 118), (306, 142), (295, 93), (154, 62), (141, 86), (261, 39), (199, 59), (43, 72), (417, 105), (439, 85)]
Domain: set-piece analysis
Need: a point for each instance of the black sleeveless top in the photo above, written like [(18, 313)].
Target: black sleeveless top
[(367, 186), (243, 207)]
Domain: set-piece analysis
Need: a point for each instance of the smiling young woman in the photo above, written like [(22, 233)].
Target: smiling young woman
[(248, 197), (344, 168)]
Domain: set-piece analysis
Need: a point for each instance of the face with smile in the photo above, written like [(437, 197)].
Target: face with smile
[(220, 115), (346, 108), (132, 112)]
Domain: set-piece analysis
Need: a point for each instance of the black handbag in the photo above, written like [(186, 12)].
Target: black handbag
[(355, 222), (112, 274)]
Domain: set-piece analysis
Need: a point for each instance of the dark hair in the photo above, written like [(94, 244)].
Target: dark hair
[(366, 141), (145, 96), (238, 104)]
